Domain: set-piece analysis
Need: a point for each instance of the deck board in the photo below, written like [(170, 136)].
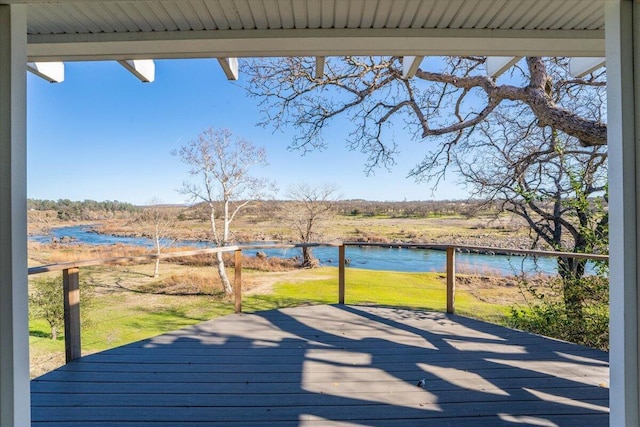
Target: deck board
[(331, 365)]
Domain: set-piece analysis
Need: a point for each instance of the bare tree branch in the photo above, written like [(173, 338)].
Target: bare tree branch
[(445, 101), (222, 163)]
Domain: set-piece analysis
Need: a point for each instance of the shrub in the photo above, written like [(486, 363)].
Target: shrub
[(547, 315), (46, 302)]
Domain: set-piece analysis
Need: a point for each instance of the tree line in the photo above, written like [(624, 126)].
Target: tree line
[(268, 209), (412, 209), (70, 210)]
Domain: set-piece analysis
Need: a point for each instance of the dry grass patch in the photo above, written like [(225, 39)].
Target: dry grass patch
[(186, 283), (248, 262), (61, 253), (269, 264)]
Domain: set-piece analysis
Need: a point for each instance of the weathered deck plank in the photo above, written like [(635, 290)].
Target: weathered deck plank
[(331, 365)]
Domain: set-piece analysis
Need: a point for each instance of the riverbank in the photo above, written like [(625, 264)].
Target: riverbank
[(504, 231), (80, 242)]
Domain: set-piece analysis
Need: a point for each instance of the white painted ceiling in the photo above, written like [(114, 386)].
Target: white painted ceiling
[(62, 30), (87, 17)]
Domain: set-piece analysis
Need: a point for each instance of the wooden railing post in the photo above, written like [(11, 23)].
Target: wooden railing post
[(71, 296), (237, 280), (451, 280), (341, 264)]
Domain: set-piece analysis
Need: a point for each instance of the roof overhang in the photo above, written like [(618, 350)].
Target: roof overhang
[(79, 30), (310, 42)]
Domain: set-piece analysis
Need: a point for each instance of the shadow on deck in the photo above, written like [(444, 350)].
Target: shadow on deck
[(331, 365)]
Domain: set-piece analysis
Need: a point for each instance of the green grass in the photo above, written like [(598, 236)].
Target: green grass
[(115, 325), (118, 318), (411, 290)]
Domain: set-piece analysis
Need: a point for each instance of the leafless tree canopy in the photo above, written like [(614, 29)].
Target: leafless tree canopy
[(161, 224), (446, 100), (310, 206), (220, 166), (543, 176), (550, 178)]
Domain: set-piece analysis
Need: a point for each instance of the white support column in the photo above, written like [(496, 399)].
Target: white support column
[(14, 329), (623, 94)]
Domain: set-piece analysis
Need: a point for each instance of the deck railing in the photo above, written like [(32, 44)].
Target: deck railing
[(71, 270), (451, 250)]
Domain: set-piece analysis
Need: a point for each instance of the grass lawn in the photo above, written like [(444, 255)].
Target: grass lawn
[(412, 290)]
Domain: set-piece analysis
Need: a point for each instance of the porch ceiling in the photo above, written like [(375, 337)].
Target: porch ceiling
[(66, 30)]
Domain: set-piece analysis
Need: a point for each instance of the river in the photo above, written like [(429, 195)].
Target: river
[(372, 258)]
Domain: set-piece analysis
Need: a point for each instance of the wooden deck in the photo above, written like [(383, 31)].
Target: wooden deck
[(331, 365)]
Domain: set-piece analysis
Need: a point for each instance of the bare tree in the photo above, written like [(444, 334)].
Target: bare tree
[(310, 207), (443, 103), (556, 185), (536, 142), (221, 164), (161, 223)]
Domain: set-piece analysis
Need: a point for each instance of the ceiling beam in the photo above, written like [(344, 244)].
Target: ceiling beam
[(410, 65), (320, 60), (496, 65), (230, 67), (314, 42), (143, 69), (580, 67), (53, 72)]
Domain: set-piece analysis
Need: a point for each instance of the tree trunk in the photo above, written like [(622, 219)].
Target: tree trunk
[(226, 284), (571, 272), (156, 270), (307, 257), (219, 261), (54, 333)]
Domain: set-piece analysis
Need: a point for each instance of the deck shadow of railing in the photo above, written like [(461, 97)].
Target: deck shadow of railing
[(456, 361), (282, 366)]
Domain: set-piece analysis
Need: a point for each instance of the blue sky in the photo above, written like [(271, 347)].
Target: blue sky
[(104, 135)]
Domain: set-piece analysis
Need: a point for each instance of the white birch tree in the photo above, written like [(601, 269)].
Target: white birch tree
[(161, 223), (219, 165)]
